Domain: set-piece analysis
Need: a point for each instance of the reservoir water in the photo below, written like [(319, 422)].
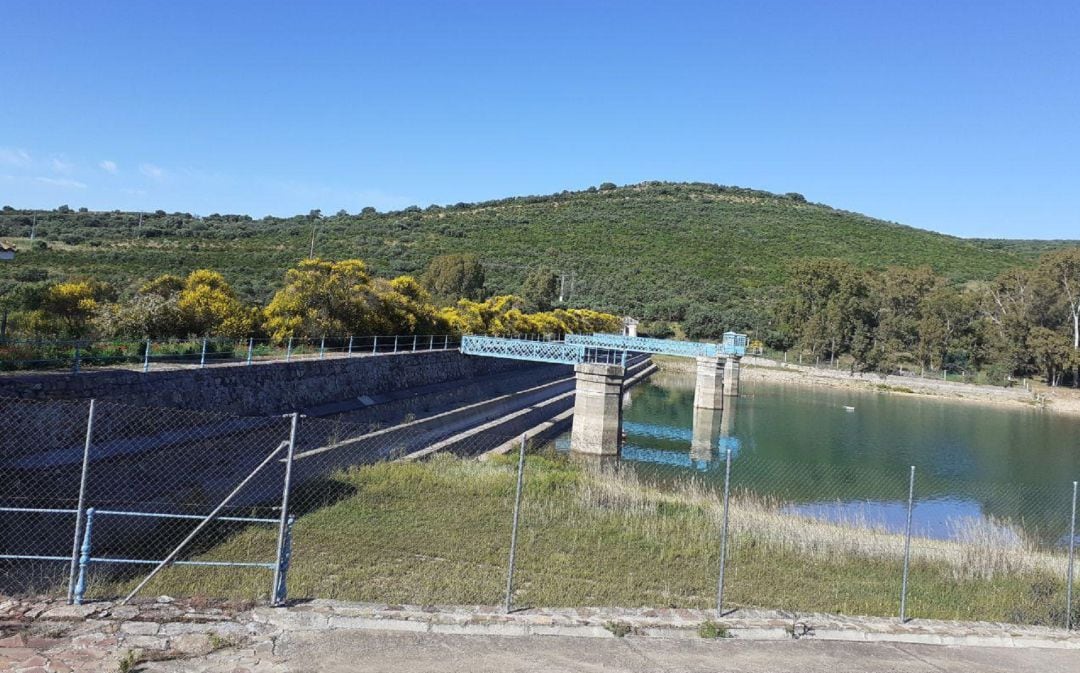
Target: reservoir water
[(845, 454)]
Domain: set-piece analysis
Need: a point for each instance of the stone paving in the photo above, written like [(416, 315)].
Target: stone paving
[(52, 637), (167, 636)]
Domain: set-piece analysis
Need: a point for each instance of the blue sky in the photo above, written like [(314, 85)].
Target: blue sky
[(961, 117)]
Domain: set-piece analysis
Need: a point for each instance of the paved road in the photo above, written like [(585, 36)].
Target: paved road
[(352, 651)]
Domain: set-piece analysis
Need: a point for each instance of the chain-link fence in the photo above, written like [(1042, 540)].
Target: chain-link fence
[(152, 355), (447, 509)]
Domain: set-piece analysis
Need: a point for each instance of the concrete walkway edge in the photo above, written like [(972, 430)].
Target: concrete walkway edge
[(658, 623)]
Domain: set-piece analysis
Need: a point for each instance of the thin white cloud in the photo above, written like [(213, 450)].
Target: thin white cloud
[(61, 182), (152, 171), (109, 166), (14, 157), (61, 165), (134, 192)]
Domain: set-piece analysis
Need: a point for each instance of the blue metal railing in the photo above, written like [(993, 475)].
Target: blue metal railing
[(733, 344), (558, 352)]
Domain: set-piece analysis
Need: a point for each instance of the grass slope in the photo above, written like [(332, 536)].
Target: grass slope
[(628, 248), (438, 532)]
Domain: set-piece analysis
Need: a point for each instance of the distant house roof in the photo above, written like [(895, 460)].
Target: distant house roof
[(7, 251)]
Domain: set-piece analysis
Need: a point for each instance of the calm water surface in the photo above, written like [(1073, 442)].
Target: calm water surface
[(802, 446)]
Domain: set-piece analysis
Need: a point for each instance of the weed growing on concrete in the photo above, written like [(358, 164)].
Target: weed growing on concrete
[(711, 629), (128, 662)]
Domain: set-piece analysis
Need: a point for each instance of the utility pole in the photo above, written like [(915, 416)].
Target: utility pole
[(33, 228)]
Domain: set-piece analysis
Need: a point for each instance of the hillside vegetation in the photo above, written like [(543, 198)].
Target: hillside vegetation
[(651, 250)]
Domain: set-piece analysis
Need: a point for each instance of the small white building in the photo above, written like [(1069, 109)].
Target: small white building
[(629, 326), (6, 251)]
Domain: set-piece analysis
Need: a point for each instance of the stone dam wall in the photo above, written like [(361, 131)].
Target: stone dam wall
[(263, 388)]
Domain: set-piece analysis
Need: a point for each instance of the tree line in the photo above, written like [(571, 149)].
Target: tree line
[(318, 298), (1024, 322)]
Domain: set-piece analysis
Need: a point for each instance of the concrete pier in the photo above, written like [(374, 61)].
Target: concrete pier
[(597, 427), (731, 376), (709, 388)]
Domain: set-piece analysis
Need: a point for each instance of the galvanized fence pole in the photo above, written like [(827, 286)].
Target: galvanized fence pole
[(514, 528), (414, 343), (202, 358), (82, 503), (1072, 554), (724, 535), (283, 525), (288, 351), (431, 343), (907, 545), (251, 349), (395, 343), (322, 348), (445, 341), (375, 344), (281, 589), (84, 558), (350, 345), (146, 358)]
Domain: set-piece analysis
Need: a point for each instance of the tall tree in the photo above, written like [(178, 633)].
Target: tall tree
[(1062, 270), (540, 289), (824, 305), (453, 277)]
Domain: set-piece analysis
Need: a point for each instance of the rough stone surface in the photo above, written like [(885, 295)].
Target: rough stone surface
[(709, 385), (263, 388), (331, 636), (597, 425)]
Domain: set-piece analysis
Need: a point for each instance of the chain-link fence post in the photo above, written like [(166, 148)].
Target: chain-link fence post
[(146, 358), (84, 558), (907, 545), (350, 345), (1072, 553), (724, 534), (514, 528), (414, 343), (395, 343), (82, 503), (281, 586), (283, 528), (251, 349), (288, 351), (375, 344), (202, 357)]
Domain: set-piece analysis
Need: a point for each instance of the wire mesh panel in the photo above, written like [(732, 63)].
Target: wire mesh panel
[(815, 538), (154, 475), (594, 533), (41, 451), (407, 531), (998, 553)]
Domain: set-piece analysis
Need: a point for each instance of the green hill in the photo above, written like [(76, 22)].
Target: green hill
[(642, 249)]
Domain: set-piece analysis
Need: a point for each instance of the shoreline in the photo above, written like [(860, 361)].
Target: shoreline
[(1058, 401)]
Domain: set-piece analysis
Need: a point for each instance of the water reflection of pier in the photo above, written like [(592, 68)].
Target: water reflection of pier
[(712, 433)]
